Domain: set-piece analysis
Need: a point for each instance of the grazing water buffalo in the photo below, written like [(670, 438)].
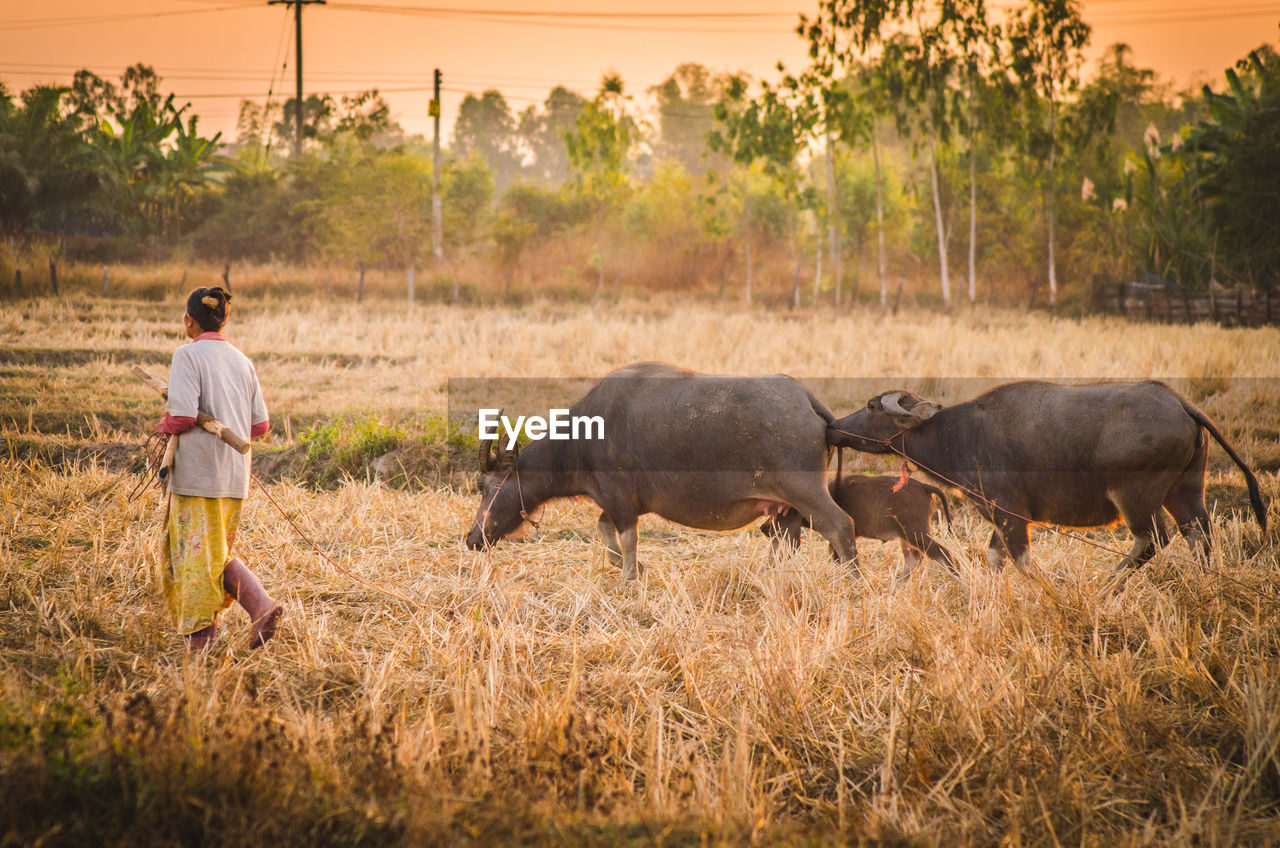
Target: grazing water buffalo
[(704, 451), (878, 512), (1079, 456)]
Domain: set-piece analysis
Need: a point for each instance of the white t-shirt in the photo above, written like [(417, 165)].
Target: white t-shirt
[(211, 376)]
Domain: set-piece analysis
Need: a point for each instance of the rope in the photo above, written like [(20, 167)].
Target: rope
[(524, 513), (350, 575), (1204, 562), (978, 496), (153, 449)]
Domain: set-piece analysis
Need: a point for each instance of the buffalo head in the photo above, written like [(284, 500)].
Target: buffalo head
[(500, 509), (885, 416)]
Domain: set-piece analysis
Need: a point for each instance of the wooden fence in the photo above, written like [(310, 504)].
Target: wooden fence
[(1166, 304)]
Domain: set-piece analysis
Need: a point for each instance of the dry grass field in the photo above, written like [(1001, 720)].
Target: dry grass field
[(526, 696)]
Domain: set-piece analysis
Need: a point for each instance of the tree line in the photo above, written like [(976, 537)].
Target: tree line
[(930, 141)]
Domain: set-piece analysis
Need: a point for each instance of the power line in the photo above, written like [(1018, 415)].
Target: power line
[(585, 20), (297, 32), (281, 49), (1191, 18), (562, 13), (43, 23), (253, 75)]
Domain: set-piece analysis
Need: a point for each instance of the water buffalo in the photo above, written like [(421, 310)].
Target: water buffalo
[(878, 512), (704, 451), (1079, 456)]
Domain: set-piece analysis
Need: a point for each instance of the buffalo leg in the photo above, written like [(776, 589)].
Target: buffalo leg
[(933, 549), (836, 527), (1012, 532), (911, 557), (1193, 524), (1148, 538), (1185, 502), (809, 497), (609, 533), (783, 532), (996, 551), (1142, 515), (627, 541)]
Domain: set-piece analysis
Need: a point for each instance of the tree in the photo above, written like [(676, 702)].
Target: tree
[(1101, 129), (841, 121), (528, 215), (543, 132), (599, 149), (1046, 38), (257, 214), (663, 212), (366, 117), (977, 44), (485, 126), (189, 166), (48, 170), (1236, 148), (372, 206), (94, 98), (870, 88), (317, 120), (466, 185), (686, 113), (917, 71), (140, 86), (770, 129), (157, 162)]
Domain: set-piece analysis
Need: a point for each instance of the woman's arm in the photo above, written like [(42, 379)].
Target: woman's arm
[(175, 424), (257, 408)]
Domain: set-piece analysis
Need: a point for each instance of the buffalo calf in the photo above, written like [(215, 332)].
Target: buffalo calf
[(878, 512)]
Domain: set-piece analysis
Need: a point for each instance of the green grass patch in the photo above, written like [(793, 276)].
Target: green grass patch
[(344, 447)]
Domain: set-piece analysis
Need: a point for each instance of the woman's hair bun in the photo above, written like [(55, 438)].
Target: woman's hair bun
[(208, 306)]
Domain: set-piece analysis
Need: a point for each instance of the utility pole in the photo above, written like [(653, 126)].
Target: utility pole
[(437, 211), (297, 32)]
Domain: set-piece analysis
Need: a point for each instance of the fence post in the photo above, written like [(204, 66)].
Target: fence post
[(360, 285), (226, 276), (53, 274), (104, 281), (17, 280)]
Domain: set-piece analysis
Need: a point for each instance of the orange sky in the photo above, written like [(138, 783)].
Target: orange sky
[(213, 52)]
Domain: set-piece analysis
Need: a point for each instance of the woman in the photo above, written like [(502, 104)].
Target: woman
[(210, 479)]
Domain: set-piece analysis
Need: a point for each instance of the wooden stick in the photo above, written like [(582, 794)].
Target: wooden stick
[(207, 422)]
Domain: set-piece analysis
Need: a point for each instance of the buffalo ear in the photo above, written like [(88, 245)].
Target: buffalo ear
[(915, 416), (507, 457), (925, 410)]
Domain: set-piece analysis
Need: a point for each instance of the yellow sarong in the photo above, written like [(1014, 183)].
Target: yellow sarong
[(199, 534)]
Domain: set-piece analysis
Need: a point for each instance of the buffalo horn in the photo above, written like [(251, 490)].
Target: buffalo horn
[(486, 454), (891, 401)]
